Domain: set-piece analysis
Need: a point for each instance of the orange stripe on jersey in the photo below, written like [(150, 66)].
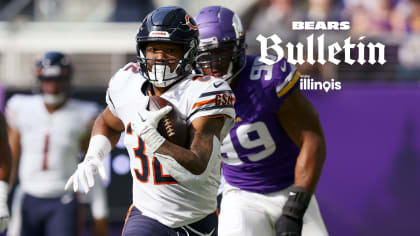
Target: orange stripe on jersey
[(129, 130), (202, 78), (202, 103), (126, 218), (199, 104), (134, 68)]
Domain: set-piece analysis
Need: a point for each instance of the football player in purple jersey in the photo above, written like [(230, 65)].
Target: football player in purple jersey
[(273, 156)]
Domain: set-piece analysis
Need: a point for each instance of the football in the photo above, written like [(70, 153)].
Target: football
[(172, 126)]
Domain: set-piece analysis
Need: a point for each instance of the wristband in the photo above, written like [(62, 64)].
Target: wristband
[(152, 138), (4, 191), (99, 146), (297, 202)]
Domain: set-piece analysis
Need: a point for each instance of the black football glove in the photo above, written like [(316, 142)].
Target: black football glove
[(290, 222), (288, 226)]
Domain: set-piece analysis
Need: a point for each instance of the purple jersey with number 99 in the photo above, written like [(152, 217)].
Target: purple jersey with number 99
[(258, 155)]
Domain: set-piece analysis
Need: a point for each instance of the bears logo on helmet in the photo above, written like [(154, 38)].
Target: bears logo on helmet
[(187, 19), (171, 25)]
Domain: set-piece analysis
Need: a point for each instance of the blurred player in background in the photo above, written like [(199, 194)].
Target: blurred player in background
[(273, 156), (5, 166), (47, 131), (174, 187)]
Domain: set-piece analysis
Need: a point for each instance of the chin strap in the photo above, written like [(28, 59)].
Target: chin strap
[(229, 77)]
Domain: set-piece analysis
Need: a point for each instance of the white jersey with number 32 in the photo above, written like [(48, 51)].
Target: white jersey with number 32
[(155, 193)]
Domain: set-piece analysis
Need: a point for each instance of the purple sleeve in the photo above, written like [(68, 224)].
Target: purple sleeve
[(285, 79)]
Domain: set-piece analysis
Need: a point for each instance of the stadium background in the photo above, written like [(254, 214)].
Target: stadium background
[(370, 180)]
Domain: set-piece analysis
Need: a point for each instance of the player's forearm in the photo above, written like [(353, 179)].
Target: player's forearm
[(101, 143), (196, 158), (101, 227), (310, 160), (5, 161), (198, 172), (14, 166), (102, 127), (184, 157), (14, 143)]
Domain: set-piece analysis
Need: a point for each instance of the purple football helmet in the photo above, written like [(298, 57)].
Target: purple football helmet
[(220, 28)]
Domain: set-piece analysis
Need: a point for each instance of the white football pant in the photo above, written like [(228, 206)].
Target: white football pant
[(245, 213)]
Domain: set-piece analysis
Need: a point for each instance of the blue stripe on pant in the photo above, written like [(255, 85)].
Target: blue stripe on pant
[(49, 216), (139, 225)]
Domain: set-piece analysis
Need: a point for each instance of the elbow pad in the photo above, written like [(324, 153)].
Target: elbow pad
[(184, 176)]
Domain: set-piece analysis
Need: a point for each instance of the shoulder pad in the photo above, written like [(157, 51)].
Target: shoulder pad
[(122, 76)]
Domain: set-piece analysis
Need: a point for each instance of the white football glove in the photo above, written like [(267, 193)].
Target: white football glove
[(4, 210), (146, 124), (99, 146), (84, 174)]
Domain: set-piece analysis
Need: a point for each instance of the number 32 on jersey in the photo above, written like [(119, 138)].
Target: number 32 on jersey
[(154, 168)]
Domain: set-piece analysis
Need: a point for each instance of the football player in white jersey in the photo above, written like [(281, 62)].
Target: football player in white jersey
[(5, 164), (47, 131), (273, 156), (174, 187)]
